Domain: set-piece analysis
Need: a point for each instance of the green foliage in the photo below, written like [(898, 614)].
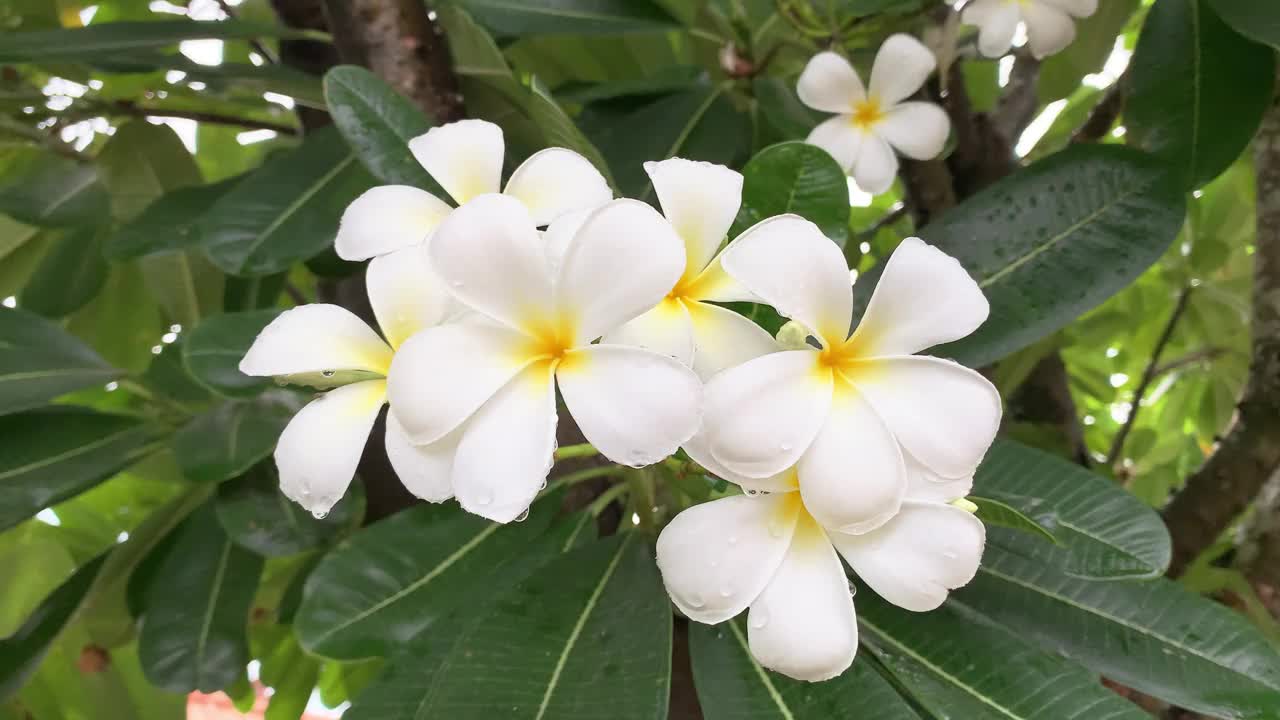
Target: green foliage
[(39, 362), (795, 178), (48, 190), (572, 17), (213, 350), (258, 517), (378, 124)]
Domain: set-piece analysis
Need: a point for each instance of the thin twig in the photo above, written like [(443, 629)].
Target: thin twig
[(1103, 116), (1191, 358), (129, 107), (253, 43), (294, 294)]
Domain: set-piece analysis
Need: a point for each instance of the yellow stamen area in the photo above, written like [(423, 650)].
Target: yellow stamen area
[(550, 340), (372, 393), (791, 511), (867, 114), (846, 364)]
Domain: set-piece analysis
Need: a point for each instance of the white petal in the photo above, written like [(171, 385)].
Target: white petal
[(559, 234), (829, 83), (902, 65), (924, 298), (1079, 8), (700, 199), (915, 559), (1049, 30), (788, 262), (465, 157), (713, 284), (624, 259), (840, 138), (388, 218), (918, 130), (697, 447), (635, 406), (443, 374), (664, 329), (316, 338), (492, 259), (852, 477), (717, 557), (723, 339), (924, 485), (556, 181), (803, 624), (507, 447), (943, 413), (424, 470), (405, 294), (876, 166), (762, 415), (997, 23), (319, 450)]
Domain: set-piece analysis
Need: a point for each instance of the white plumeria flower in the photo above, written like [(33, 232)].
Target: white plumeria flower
[(465, 157), (700, 200), (864, 402), (487, 387), (771, 554), (326, 346), (873, 122), (1049, 23)]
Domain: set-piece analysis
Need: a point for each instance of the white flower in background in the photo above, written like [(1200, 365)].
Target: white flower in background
[(465, 157), (860, 414), (487, 387), (1050, 24), (770, 554), (329, 347), (873, 122), (700, 200)]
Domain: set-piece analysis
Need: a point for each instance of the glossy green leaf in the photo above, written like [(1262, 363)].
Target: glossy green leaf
[(102, 40), (69, 275), (287, 210), (168, 224), (1259, 21), (50, 190), (378, 123), (1202, 123), (1060, 74), (292, 676), (1153, 636), (213, 349), (21, 652), (1053, 241), (193, 634), (226, 441), (568, 17), (733, 686), (50, 454), (39, 361), (956, 667), (998, 514), (258, 517), (396, 578), (1104, 531), (795, 177)]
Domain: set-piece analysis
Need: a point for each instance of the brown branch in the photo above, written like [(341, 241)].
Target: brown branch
[(1148, 374), (1192, 358), (133, 109), (1104, 115), (1019, 102)]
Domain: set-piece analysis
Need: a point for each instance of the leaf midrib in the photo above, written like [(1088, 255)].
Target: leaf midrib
[(292, 208), (764, 677), (74, 452)]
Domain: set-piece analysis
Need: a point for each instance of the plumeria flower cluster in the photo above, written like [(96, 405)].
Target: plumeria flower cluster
[(1050, 24)]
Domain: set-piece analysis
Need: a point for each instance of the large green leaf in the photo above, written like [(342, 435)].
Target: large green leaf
[(193, 635), (1054, 240), (999, 514), (50, 190), (39, 361), (50, 454), (1260, 21), (795, 177), (69, 275), (394, 579), (104, 39), (378, 124), (259, 517), (213, 350), (1060, 74), (167, 224), (733, 686), (585, 636), (1152, 636), (1201, 123), (226, 441), (958, 668), (1104, 531), (286, 211), (568, 17)]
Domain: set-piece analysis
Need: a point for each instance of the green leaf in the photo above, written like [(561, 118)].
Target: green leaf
[(123, 322), (378, 124), (568, 17), (21, 652), (1153, 636), (1258, 21), (193, 635), (1060, 74), (398, 577), (732, 685), (599, 625), (53, 191), (260, 518), (795, 177), (102, 40), (293, 678), (167, 224), (69, 275), (213, 349), (287, 210), (1202, 123), (39, 361), (955, 667), (1054, 240), (1104, 531), (51, 454), (998, 514), (231, 438)]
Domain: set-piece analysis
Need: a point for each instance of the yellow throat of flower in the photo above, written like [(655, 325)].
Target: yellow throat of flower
[(867, 114)]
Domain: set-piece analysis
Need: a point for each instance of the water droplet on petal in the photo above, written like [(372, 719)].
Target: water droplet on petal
[(726, 591), (328, 373), (785, 447), (759, 618), (319, 514), (696, 602), (950, 554), (523, 516), (542, 486)]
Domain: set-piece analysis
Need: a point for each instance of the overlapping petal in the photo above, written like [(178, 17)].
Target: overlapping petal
[(556, 181), (725, 339), (1049, 29), (465, 157), (388, 218), (700, 200), (997, 23), (830, 84), (424, 470), (902, 65), (840, 138), (405, 294), (876, 165), (665, 329), (918, 130), (697, 447), (927, 486), (316, 338)]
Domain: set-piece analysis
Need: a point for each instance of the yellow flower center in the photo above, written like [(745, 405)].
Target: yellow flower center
[(867, 114)]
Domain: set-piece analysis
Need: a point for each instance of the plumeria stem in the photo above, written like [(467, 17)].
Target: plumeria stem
[(581, 475), (580, 450), (598, 505)]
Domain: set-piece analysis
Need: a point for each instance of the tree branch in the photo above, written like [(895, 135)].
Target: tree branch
[(1018, 103), (133, 109), (1192, 358), (1103, 116)]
